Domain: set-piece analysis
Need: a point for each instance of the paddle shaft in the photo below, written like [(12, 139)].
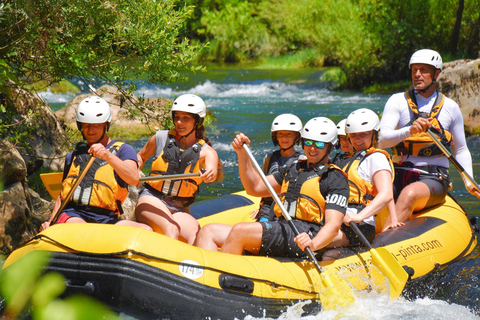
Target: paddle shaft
[(171, 177), (360, 235), (75, 185), (280, 205), (453, 160)]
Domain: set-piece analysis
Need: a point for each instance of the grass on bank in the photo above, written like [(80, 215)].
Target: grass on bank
[(301, 59)]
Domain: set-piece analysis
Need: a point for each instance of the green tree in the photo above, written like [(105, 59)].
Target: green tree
[(98, 41), (456, 29)]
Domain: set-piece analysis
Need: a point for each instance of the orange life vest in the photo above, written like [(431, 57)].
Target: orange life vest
[(174, 160), (362, 192), (421, 144), (300, 193), (99, 190)]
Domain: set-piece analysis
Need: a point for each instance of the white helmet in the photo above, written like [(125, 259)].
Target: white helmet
[(287, 122), (341, 128), (426, 56), (362, 120), (190, 103), (320, 129), (93, 109)]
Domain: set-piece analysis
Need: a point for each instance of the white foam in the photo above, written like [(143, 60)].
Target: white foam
[(380, 307)]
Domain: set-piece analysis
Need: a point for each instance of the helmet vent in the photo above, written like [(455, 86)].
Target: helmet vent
[(99, 114), (364, 123), (191, 105)]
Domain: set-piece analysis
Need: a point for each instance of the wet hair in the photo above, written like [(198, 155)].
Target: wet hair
[(200, 134)]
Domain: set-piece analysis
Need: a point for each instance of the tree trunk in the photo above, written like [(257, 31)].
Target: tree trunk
[(472, 49), (456, 28)]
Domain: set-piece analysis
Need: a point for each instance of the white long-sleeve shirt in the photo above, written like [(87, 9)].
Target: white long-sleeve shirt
[(394, 129)]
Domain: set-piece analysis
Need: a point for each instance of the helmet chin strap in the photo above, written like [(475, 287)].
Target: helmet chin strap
[(186, 136), (297, 139), (326, 155), (428, 87), (285, 149), (103, 135)]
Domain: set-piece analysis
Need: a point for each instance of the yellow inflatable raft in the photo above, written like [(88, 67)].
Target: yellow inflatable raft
[(150, 276)]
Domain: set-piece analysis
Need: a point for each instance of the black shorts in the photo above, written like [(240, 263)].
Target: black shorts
[(367, 229), (437, 180), (277, 238), (88, 216)]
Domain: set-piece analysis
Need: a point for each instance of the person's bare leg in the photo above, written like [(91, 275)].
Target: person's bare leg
[(75, 220), (153, 212), (212, 236), (189, 227), (134, 224), (412, 198), (244, 236)]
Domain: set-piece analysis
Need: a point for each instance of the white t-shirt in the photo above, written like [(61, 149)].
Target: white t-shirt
[(394, 129), (368, 167)]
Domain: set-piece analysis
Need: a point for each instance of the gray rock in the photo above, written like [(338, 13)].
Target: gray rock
[(460, 81), (12, 166), (120, 109)]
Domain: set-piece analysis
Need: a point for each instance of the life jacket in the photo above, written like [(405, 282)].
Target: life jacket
[(341, 159), (271, 164), (421, 144), (300, 193), (174, 160), (99, 190), (274, 158), (362, 192)]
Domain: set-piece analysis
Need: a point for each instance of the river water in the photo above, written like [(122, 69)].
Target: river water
[(248, 101)]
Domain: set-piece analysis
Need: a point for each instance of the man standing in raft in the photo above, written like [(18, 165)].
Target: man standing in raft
[(421, 169), (100, 194), (313, 192)]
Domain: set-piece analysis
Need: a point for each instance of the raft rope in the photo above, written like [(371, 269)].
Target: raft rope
[(129, 252)]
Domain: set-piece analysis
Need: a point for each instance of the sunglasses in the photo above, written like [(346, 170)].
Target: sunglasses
[(318, 144)]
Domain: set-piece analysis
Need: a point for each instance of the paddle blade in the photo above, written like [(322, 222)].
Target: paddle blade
[(335, 291), (389, 266), (53, 183)]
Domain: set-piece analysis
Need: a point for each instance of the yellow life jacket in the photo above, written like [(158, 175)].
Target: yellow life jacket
[(99, 190), (300, 193), (174, 160), (362, 192), (421, 144)]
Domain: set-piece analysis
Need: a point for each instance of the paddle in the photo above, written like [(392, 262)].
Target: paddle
[(338, 293), (75, 185), (450, 157), (171, 177), (386, 263)]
